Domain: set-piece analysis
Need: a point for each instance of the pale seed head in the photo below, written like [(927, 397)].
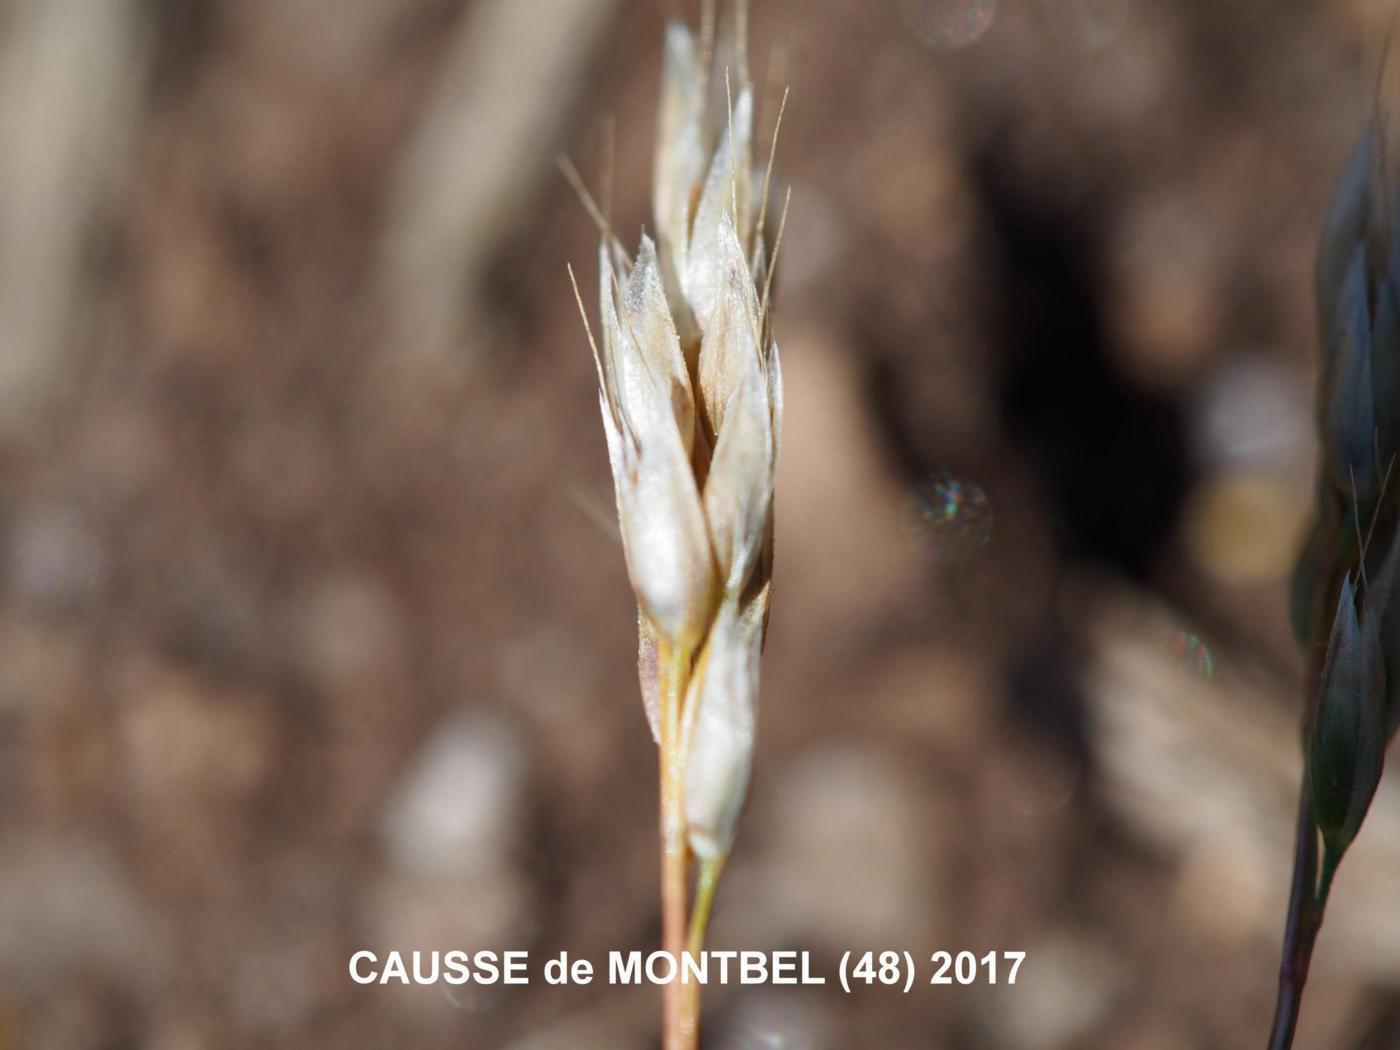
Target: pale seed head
[(691, 397), (720, 712), (648, 415)]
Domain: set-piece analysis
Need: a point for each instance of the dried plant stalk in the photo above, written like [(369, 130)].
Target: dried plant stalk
[(690, 389)]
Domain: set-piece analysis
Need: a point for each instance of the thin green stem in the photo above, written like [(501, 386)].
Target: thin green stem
[(705, 884), (1330, 861)]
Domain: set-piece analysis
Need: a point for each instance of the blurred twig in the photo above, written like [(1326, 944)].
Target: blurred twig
[(484, 144), (70, 79)]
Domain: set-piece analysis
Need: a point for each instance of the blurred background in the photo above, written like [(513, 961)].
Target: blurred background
[(315, 633)]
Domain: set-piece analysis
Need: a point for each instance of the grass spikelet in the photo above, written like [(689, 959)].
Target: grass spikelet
[(691, 398)]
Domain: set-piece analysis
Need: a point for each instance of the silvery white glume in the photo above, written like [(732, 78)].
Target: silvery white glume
[(691, 397)]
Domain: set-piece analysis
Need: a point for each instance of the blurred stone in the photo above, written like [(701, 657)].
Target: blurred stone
[(844, 834), (839, 508), (79, 1020), (271, 984), (213, 604), (305, 472), (548, 671), (1033, 782), (940, 693), (768, 1018), (579, 1033), (41, 666), (69, 760), (1252, 413), (181, 1032), (56, 558), (1246, 528), (191, 760), (449, 828), (1067, 986), (67, 906), (184, 739), (349, 630), (1153, 1033), (1222, 892), (457, 808), (124, 451), (551, 675), (1167, 312), (422, 913)]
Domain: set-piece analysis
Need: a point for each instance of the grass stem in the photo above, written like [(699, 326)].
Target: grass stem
[(705, 884), (706, 881), (1304, 918), (1306, 902), (679, 1027)]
